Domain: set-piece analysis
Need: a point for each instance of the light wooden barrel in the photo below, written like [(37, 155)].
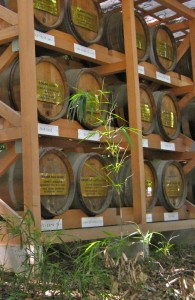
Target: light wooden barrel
[(88, 81), (52, 88), (168, 117), (119, 101), (93, 191), (113, 37), (188, 120), (172, 184), (124, 179), (163, 50), (184, 65), (57, 186), (83, 19), (48, 14)]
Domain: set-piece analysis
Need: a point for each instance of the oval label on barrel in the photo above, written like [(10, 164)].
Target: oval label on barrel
[(50, 6), (53, 184), (84, 18), (146, 115), (164, 50), (49, 92), (93, 187), (168, 119)]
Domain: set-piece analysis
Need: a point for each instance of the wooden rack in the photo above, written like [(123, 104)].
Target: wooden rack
[(23, 127)]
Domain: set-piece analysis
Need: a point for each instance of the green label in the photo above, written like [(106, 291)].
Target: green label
[(146, 115), (84, 18), (140, 41), (164, 50), (168, 119), (93, 187), (173, 189), (50, 92), (2, 147), (53, 184), (50, 6)]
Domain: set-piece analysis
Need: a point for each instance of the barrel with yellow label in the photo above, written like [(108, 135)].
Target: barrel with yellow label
[(57, 186), (83, 19), (123, 196), (48, 14), (172, 184), (163, 50), (120, 106), (113, 36), (90, 104), (168, 117), (93, 188), (52, 88)]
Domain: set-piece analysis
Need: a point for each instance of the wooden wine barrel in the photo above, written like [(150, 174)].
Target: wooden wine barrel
[(172, 184), (120, 106), (113, 37), (168, 118), (188, 120), (57, 186), (163, 50), (93, 191), (83, 19), (48, 14), (52, 88), (93, 106), (184, 65), (124, 198), (191, 186)]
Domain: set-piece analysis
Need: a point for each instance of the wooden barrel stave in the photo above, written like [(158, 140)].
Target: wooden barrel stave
[(52, 88), (93, 190)]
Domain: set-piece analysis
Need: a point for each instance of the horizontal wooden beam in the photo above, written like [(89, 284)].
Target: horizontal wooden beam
[(179, 8), (110, 69), (10, 157), (178, 26), (8, 16), (8, 34), (7, 57), (10, 134), (12, 116)]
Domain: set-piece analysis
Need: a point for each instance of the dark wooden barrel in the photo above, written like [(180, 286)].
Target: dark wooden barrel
[(184, 65), (48, 14), (113, 37), (124, 198), (52, 88), (57, 186), (188, 120), (119, 101), (83, 19), (163, 50), (93, 190), (168, 118), (172, 184), (93, 106)]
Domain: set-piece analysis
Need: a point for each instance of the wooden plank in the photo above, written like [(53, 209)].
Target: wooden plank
[(10, 134), (138, 181), (30, 146), (10, 157), (7, 211), (179, 8), (185, 100), (110, 69), (178, 26), (183, 90), (189, 166), (183, 47), (8, 16), (12, 116), (192, 42), (8, 34), (6, 57)]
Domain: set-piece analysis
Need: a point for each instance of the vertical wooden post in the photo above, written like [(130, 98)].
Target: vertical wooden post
[(30, 145), (192, 42), (134, 111)]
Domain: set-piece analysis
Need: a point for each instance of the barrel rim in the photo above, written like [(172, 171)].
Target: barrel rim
[(155, 195), (147, 33)]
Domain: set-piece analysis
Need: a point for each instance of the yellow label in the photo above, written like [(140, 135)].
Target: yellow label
[(148, 187), (84, 19), (93, 187), (173, 189), (164, 50), (168, 119), (50, 6), (53, 184), (140, 41), (146, 115), (50, 92)]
